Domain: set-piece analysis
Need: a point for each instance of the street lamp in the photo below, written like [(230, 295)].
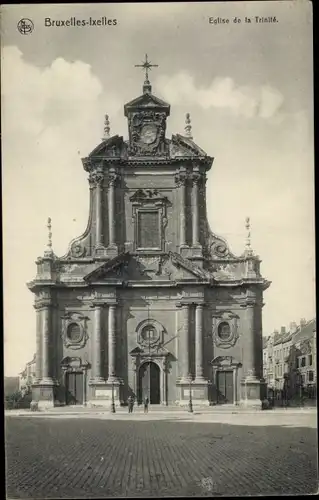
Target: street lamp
[(113, 401), (190, 402), (149, 332)]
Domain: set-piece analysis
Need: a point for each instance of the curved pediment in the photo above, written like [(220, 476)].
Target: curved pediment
[(181, 146), (224, 361), (112, 147)]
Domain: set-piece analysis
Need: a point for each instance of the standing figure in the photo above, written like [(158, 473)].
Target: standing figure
[(130, 404), (146, 403)]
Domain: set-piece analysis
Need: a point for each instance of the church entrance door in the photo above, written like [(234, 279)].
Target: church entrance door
[(225, 387), (74, 388), (149, 383)]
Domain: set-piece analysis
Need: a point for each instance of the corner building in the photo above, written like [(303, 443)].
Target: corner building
[(148, 300)]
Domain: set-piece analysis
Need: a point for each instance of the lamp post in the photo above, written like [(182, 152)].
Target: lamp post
[(113, 401), (149, 366), (190, 402)]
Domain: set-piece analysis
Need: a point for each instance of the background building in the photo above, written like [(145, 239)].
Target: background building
[(27, 376), (11, 385), (290, 359)]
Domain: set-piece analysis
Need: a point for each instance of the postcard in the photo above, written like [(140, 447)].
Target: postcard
[(159, 255)]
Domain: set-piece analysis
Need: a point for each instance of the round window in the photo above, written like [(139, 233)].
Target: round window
[(224, 331), (149, 333), (74, 332)]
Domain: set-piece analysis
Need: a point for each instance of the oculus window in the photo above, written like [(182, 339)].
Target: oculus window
[(224, 332), (74, 332)]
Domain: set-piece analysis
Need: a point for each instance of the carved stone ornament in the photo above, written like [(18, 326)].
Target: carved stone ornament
[(113, 177), (96, 177), (77, 250), (74, 330), (74, 364), (181, 178), (147, 133), (149, 265), (150, 333), (225, 329), (143, 200)]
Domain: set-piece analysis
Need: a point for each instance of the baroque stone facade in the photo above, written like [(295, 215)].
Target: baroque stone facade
[(148, 300)]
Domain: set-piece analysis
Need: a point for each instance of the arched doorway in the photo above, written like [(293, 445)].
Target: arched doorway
[(149, 383)]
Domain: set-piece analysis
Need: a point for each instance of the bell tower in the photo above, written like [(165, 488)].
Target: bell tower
[(147, 116)]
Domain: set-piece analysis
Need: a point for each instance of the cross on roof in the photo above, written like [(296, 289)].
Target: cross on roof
[(146, 66)]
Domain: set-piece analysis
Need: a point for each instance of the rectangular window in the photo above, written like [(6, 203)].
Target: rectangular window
[(148, 233), (310, 376), (310, 359), (303, 361)]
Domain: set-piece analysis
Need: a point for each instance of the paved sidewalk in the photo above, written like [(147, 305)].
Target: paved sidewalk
[(229, 410), (287, 419)]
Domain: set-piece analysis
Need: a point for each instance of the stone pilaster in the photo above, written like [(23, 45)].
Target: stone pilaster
[(249, 349), (184, 342), (96, 348), (101, 389), (251, 385), (181, 180), (195, 212), (38, 354), (46, 324), (111, 206), (43, 386), (112, 345), (96, 179), (199, 342)]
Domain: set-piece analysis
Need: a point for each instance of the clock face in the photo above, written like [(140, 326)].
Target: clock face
[(148, 134)]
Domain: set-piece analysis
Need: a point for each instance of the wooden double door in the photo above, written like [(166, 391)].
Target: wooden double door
[(225, 387), (149, 383), (74, 385)]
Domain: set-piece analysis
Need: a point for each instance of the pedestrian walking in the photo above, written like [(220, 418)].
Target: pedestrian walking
[(130, 404), (146, 403)]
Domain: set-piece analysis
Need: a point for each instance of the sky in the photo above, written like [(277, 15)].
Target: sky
[(248, 89)]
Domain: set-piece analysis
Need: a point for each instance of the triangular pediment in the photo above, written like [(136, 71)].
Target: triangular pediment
[(146, 101), (187, 269), (168, 267), (184, 146), (109, 269)]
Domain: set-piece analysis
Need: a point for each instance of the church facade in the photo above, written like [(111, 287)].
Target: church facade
[(148, 301)]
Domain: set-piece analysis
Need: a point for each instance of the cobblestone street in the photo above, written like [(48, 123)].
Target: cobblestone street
[(91, 458)]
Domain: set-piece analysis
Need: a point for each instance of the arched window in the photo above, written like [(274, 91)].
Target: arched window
[(74, 332), (224, 330)]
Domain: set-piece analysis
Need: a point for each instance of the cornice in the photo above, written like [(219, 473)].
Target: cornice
[(145, 161)]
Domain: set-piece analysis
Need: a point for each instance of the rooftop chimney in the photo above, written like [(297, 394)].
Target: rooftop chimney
[(293, 327), (303, 322), (283, 330)]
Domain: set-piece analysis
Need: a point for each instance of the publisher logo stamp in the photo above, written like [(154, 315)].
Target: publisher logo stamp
[(25, 26)]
